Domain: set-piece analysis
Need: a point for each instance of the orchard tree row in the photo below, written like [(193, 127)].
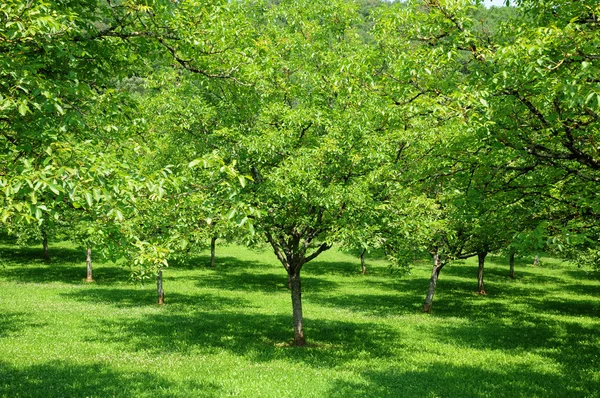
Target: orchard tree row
[(142, 129)]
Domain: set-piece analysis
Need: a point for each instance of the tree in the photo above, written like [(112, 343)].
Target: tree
[(528, 89)]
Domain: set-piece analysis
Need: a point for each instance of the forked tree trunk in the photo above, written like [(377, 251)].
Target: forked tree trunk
[(159, 288), (362, 262), (88, 263), (294, 279), (213, 242), (435, 274), (511, 264), (536, 260), (481, 260), (45, 246)]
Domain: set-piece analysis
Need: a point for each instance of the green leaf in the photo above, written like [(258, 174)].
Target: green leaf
[(23, 108), (89, 199)]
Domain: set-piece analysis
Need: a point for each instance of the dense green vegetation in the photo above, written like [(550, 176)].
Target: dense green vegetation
[(429, 131), (224, 331)]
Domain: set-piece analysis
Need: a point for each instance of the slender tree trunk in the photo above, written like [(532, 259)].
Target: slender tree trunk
[(88, 263), (159, 288), (536, 260), (511, 263), (45, 246), (435, 274), (362, 262), (294, 279), (481, 260), (213, 242)]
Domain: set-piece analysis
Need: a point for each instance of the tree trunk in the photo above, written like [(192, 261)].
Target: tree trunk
[(88, 263), (511, 263), (536, 260), (481, 260), (435, 274), (45, 246), (159, 288), (362, 262), (294, 279), (213, 241)]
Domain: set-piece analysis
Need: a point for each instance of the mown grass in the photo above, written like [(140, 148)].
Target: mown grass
[(225, 331)]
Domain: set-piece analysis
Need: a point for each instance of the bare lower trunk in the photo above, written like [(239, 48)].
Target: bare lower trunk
[(511, 264), (435, 274), (362, 262), (88, 263), (481, 260), (294, 280), (45, 246), (159, 288), (536, 260), (213, 242)]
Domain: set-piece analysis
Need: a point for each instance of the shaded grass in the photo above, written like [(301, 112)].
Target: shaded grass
[(226, 331)]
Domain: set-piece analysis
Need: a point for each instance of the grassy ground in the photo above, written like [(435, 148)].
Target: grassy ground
[(225, 331)]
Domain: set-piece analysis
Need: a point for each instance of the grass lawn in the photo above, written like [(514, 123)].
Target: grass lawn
[(225, 331)]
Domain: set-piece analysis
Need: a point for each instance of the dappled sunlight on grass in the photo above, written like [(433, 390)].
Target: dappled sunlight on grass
[(227, 330)]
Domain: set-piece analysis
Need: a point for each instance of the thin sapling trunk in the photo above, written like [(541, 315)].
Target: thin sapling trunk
[(45, 246), (296, 288), (435, 274), (88, 263), (213, 242), (511, 264), (362, 262), (481, 261), (159, 288)]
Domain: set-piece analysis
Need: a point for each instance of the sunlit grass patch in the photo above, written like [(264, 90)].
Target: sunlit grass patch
[(227, 331)]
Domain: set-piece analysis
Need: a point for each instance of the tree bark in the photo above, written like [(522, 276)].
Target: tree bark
[(213, 242), (511, 264), (481, 260), (536, 260), (362, 262), (435, 274), (88, 263), (294, 279), (45, 246), (159, 288)]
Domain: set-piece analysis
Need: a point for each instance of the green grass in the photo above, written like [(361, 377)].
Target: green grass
[(226, 331)]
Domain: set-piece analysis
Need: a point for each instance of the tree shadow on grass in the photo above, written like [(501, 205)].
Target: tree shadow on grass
[(258, 337), (64, 273), (260, 282), (19, 255), (374, 304), (13, 322), (573, 346), (64, 379), (131, 298), (223, 263), (447, 380)]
